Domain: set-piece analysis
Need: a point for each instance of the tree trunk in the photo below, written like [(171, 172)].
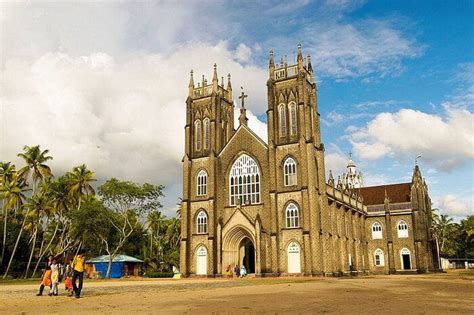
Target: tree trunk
[(5, 217), (16, 245), (33, 246), (109, 267), (46, 249)]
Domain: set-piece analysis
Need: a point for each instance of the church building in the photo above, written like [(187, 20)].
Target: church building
[(268, 205)]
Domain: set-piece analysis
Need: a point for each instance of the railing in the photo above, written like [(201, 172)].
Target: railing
[(394, 206), (207, 90)]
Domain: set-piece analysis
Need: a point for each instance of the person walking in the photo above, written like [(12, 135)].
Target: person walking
[(243, 271), (228, 271), (237, 271), (68, 278), (54, 277), (45, 280), (77, 265)]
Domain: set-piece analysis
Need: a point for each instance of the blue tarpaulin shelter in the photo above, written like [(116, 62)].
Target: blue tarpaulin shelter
[(122, 265)]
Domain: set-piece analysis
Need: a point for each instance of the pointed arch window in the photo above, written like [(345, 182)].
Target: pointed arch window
[(402, 229), (377, 231), (201, 222), (197, 135), (289, 172), (282, 119), (293, 119), (379, 257), (207, 135), (292, 216), (202, 183), (244, 181)]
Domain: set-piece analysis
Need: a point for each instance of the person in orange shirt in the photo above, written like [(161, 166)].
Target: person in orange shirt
[(45, 280), (78, 266)]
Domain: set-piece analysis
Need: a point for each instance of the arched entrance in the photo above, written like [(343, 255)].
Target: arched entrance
[(247, 255), (294, 258), (201, 261), (238, 248), (405, 258)]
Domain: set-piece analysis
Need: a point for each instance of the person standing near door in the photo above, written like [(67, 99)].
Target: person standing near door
[(77, 265)]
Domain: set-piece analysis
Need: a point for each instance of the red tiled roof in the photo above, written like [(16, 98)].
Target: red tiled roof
[(375, 195)]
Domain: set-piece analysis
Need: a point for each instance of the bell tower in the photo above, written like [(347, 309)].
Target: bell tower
[(209, 116)]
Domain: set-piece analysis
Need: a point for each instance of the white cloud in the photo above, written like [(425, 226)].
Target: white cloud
[(243, 53), (332, 118), (455, 206), (367, 47), (444, 141), (335, 160), (122, 118)]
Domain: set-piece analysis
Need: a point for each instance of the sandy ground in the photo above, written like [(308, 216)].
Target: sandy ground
[(414, 294)]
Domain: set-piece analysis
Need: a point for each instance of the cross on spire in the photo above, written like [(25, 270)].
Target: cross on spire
[(242, 97)]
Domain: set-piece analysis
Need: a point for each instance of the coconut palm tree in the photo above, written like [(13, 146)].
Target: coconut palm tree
[(14, 192), (154, 220), (443, 226), (6, 173), (35, 165), (80, 179)]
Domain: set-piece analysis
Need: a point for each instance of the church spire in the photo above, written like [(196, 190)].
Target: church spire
[(243, 111), (300, 56), (310, 66), (215, 79), (191, 84), (229, 86)]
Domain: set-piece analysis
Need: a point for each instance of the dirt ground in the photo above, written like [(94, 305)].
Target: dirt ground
[(397, 294)]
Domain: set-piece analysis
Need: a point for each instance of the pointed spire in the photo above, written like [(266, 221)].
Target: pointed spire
[(215, 79), (271, 61), (191, 80), (229, 87), (310, 66), (300, 53), (331, 179), (191, 84)]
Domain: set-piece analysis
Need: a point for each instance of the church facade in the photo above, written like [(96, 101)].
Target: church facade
[(268, 205)]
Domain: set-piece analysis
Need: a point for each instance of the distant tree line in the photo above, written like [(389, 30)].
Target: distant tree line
[(45, 215)]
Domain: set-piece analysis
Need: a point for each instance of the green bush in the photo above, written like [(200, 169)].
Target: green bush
[(159, 275)]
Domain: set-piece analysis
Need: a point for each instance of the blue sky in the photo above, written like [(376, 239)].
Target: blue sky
[(395, 79)]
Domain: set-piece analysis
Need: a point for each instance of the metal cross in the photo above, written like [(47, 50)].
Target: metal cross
[(243, 96)]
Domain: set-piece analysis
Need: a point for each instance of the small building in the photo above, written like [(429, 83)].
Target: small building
[(122, 266)]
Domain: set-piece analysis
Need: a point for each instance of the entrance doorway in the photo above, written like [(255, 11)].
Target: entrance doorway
[(201, 261), (294, 259), (247, 251), (406, 261)]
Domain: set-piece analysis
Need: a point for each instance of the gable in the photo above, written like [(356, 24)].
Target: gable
[(244, 138)]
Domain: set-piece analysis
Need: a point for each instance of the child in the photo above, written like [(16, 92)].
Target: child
[(46, 280), (54, 278), (68, 275), (243, 271)]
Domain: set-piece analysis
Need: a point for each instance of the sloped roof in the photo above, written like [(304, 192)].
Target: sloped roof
[(375, 195), (118, 258)]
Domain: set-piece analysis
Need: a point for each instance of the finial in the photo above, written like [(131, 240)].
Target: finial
[(229, 85), (300, 54), (310, 66), (191, 79), (270, 58)]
